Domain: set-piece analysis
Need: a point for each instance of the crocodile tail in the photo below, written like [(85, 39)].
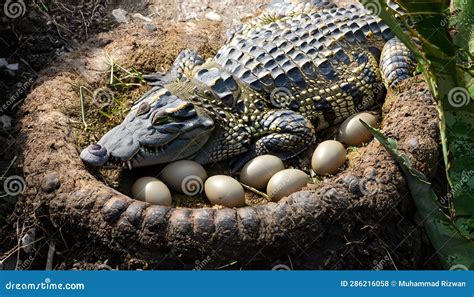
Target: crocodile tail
[(397, 63), (159, 231)]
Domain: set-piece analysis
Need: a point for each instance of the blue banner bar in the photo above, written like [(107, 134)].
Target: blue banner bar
[(236, 283)]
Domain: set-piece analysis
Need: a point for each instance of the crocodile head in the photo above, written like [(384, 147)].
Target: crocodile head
[(160, 128)]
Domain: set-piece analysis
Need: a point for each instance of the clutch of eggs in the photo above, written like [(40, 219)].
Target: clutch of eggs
[(263, 172)]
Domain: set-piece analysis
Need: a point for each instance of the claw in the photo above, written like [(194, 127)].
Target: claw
[(158, 79)]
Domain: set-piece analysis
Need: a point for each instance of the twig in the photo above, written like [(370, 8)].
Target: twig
[(391, 259), (255, 191), (83, 115), (85, 24), (18, 236), (227, 265), (14, 250), (49, 260), (291, 262), (8, 168)]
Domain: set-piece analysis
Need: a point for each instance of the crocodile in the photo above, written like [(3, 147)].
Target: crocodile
[(274, 84), (325, 226)]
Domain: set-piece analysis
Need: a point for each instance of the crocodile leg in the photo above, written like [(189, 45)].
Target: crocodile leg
[(284, 133), (181, 70), (396, 63)]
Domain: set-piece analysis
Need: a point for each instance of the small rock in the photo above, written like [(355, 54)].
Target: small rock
[(370, 173), (150, 27), (120, 15), (141, 17), (187, 16), (50, 182), (3, 62), (6, 123), (212, 16), (413, 143), (62, 50), (27, 241), (12, 67)]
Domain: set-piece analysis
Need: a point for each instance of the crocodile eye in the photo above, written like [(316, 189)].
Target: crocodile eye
[(183, 111), (143, 108), (160, 118)]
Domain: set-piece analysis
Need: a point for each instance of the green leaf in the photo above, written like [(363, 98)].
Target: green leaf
[(447, 236), (444, 56)]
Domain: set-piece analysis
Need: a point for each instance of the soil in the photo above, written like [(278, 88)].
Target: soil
[(375, 232)]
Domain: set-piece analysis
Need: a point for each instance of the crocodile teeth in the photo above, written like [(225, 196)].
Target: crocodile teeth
[(129, 164)]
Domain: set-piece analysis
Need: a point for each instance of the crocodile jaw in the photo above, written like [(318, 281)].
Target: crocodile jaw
[(136, 143), (180, 148)]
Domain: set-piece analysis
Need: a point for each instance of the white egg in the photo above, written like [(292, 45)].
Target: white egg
[(151, 190), (258, 171), (224, 190), (285, 183), (352, 132), (184, 177), (328, 157)]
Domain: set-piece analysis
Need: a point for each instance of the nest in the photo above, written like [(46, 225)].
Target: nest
[(354, 220)]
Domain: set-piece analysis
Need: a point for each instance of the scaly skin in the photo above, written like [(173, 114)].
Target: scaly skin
[(273, 84)]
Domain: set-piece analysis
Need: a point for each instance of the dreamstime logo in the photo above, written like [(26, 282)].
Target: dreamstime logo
[(192, 185), (370, 99), (99, 10), (280, 97), (458, 267), (447, 18), (379, 265), (102, 97), (373, 6), (13, 101), (445, 21), (369, 186), (47, 284), (14, 8), (465, 177), (200, 265), (458, 97), (14, 185), (281, 267), (26, 264)]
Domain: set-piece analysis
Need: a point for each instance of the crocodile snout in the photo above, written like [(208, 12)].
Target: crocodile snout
[(95, 155)]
